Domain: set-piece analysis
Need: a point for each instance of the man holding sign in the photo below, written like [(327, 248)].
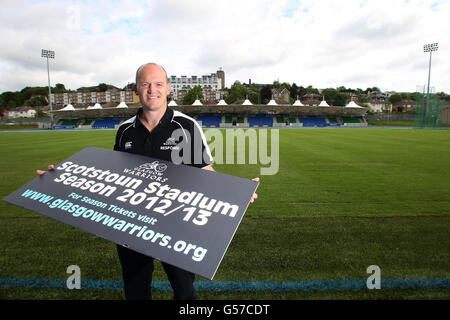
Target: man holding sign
[(146, 134), (158, 132)]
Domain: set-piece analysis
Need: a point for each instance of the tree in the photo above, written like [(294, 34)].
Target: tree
[(404, 95), (59, 88), (329, 95), (301, 91), (286, 85), (12, 99), (193, 94), (334, 97), (276, 84), (310, 89), (27, 92), (37, 101), (395, 98), (341, 99), (265, 94), (373, 89), (254, 97), (102, 87), (40, 113), (293, 91), (237, 92), (442, 95), (363, 99)]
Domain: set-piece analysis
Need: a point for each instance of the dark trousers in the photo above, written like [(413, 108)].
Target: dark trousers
[(137, 271)]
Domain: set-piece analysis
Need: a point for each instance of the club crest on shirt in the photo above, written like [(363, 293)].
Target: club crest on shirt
[(128, 145), (170, 144)]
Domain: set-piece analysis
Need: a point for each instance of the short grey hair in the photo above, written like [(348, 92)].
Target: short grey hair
[(138, 71)]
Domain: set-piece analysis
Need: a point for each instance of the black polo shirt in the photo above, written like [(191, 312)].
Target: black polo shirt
[(176, 135)]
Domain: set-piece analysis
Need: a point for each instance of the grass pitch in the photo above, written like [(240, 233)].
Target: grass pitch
[(342, 200)]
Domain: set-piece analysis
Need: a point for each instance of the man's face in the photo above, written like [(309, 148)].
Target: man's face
[(152, 87)]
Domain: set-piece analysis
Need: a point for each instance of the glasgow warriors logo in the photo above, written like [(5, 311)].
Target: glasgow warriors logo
[(155, 165), (150, 170)]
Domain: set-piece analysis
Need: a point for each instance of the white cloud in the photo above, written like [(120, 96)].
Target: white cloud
[(357, 44)]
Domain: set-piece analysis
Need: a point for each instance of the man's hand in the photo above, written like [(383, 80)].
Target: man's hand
[(41, 172), (254, 196)]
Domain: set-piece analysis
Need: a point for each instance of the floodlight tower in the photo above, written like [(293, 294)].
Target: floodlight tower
[(428, 48), (49, 54)]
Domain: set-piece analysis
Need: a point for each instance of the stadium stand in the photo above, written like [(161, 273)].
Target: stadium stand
[(284, 120), (69, 122), (233, 120), (105, 123), (280, 119), (333, 122), (351, 120), (313, 122), (224, 116), (87, 122), (259, 121), (210, 120)]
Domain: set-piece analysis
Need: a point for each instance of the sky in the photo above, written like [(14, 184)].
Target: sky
[(323, 43)]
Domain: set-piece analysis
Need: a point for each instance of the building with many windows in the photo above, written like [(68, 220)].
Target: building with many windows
[(21, 112), (90, 98), (211, 85)]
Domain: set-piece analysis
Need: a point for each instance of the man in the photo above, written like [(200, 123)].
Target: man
[(148, 133), (145, 134)]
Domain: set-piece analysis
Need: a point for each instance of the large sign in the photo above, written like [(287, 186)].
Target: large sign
[(178, 214)]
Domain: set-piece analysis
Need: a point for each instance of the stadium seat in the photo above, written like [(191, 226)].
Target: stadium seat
[(210, 120), (87, 122), (69, 122), (313, 122), (333, 122), (351, 120), (105, 123), (260, 121)]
